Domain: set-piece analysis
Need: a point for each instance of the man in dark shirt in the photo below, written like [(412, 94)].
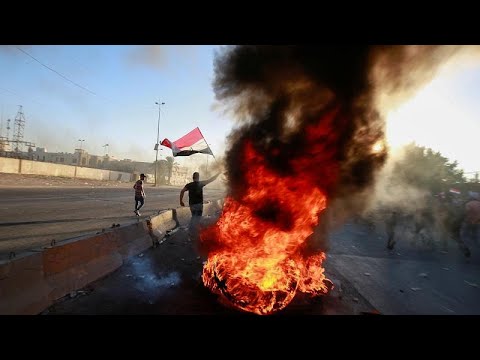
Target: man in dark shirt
[(195, 200), (195, 194)]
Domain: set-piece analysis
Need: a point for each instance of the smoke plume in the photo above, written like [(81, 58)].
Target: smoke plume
[(313, 111), (152, 56)]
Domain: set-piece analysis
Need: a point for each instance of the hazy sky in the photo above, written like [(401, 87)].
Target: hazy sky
[(127, 81), (443, 115), (124, 82)]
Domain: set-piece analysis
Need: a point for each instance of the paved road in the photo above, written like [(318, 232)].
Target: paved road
[(166, 280), (412, 279), (34, 216)]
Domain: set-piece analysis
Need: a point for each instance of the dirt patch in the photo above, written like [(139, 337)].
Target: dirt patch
[(22, 180)]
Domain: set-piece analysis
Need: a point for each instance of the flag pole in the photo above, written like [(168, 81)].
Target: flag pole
[(206, 143)]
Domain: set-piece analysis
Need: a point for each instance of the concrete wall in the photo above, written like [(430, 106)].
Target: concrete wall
[(48, 169), (95, 174), (16, 166), (120, 176), (8, 165)]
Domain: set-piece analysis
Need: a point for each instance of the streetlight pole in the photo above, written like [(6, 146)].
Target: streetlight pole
[(80, 152), (159, 103), (105, 150)]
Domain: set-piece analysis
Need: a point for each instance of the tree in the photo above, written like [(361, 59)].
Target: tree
[(162, 171), (426, 169), (170, 163)]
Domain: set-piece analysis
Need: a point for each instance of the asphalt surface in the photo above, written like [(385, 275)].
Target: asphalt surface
[(411, 279), (415, 278), (34, 216), (166, 280)]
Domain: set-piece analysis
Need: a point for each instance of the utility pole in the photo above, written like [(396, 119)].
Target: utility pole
[(80, 152), (159, 103), (8, 128), (18, 129)]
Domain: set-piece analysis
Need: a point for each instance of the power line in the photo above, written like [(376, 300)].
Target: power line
[(56, 72), (71, 81)]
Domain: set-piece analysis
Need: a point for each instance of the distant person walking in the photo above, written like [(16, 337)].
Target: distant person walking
[(139, 194), (471, 223), (390, 223), (453, 215)]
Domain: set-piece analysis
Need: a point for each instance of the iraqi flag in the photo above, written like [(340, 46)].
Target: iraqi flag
[(192, 143), (455, 191)]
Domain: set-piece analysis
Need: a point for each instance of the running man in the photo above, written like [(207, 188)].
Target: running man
[(139, 194)]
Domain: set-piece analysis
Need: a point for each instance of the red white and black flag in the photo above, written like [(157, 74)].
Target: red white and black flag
[(192, 143)]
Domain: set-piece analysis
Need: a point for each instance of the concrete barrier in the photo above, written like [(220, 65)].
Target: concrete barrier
[(71, 266), (159, 225), (23, 289), (182, 215), (132, 239), (32, 281)]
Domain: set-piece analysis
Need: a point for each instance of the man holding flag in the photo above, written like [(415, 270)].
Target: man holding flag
[(195, 194), (189, 144)]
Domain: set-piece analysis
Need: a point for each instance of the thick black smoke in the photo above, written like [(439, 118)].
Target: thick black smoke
[(279, 92)]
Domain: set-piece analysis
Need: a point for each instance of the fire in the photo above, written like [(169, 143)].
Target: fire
[(258, 257), (377, 147)]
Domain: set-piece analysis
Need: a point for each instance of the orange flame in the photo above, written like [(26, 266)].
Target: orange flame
[(257, 249)]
